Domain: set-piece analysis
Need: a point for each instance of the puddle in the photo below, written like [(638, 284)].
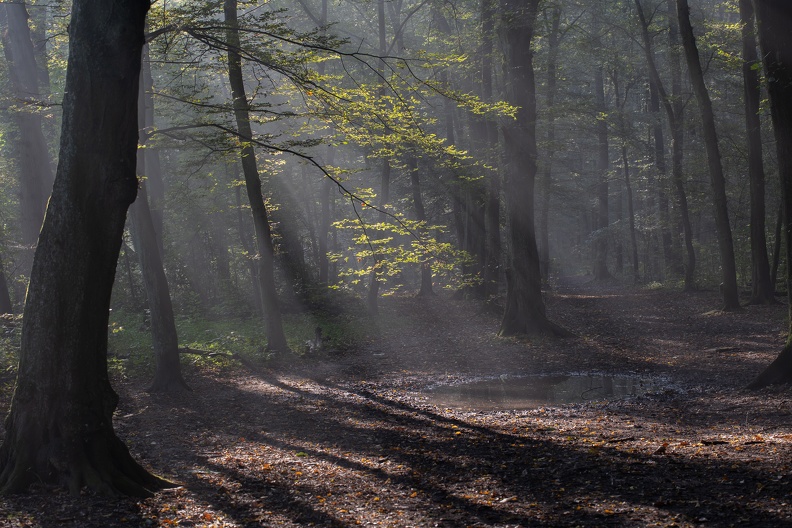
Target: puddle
[(539, 391)]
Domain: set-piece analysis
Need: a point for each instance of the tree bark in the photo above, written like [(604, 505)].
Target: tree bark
[(276, 338), (420, 215), (492, 208), (674, 109), (774, 18), (59, 429), (731, 298), (165, 341), (35, 169), (762, 290), (547, 168), (525, 308), (602, 217)]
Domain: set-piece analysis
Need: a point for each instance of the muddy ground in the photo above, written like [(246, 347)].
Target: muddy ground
[(352, 439)]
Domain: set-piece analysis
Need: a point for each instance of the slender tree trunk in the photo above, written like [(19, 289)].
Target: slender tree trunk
[(60, 426), (762, 290), (492, 215), (674, 110), (777, 246), (35, 169), (672, 259), (547, 172), (602, 216), (420, 215), (167, 376), (631, 216), (248, 244), (774, 18), (276, 339), (6, 306), (525, 308), (731, 297)]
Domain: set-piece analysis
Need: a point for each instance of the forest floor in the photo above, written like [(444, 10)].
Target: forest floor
[(357, 439)]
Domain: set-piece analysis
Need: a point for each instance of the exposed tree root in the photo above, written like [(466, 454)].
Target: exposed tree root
[(73, 455)]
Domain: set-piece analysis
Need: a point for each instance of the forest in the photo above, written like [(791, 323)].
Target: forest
[(395, 263)]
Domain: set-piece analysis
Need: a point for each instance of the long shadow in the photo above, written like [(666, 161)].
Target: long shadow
[(544, 481)]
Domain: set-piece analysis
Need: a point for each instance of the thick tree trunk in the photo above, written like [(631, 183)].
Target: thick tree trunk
[(774, 18), (525, 308), (276, 338), (762, 290), (60, 427), (731, 298)]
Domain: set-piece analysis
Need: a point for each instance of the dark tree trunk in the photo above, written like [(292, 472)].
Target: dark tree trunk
[(674, 110), (60, 426), (165, 341), (672, 258), (35, 170), (276, 339), (731, 298), (602, 217), (547, 172), (774, 18), (525, 308), (631, 216), (777, 246), (248, 244), (492, 207), (420, 215), (6, 306), (762, 290)]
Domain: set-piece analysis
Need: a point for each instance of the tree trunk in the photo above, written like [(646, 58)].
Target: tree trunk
[(276, 339), (6, 306), (631, 215), (60, 426), (35, 169), (774, 18), (420, 215), (547, 172), (602, 217), (672, 259), (674, 109), (762, 290), (525, 308), (492, 207), (167, 376), (731, 297)]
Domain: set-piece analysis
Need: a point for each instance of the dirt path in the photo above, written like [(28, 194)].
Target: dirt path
[(353, 441)]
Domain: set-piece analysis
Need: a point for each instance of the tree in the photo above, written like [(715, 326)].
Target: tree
[(525, 308), (731, 299), (165, 340), (276, 339), (60, 426), (774, 18), (35, 171), (674, 107), (762, 289)]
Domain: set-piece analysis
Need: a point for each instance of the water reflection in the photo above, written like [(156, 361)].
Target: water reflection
[(539, 391)]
